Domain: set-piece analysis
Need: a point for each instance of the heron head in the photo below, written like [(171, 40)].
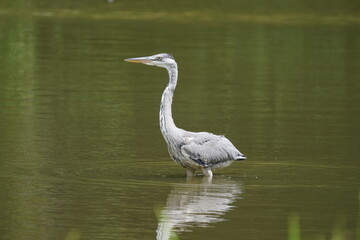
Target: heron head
[(164, 60)]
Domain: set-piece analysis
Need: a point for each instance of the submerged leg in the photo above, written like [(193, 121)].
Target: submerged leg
[(207, 171), (190, 172)]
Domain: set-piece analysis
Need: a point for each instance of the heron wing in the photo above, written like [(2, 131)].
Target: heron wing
[(210, 149)]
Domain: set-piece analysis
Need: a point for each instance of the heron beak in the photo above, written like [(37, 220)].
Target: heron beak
[(138, 60)]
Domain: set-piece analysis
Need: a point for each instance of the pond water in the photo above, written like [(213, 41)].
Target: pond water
[(81, 152)]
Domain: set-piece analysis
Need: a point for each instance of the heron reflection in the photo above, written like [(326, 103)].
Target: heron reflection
[(196, 204)]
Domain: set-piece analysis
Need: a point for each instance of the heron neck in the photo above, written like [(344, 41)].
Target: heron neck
[(167, 125)]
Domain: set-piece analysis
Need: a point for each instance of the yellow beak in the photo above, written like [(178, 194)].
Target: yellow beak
[(138, 60)]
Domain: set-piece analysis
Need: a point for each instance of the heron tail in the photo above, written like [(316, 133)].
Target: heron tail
[(241, 157)]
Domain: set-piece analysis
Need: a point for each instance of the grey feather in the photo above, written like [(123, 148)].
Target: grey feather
[(210, 149)]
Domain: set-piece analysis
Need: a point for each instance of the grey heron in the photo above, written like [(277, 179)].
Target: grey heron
[(192, 150)]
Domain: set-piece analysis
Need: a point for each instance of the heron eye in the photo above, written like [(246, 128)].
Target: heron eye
[(158, 59)]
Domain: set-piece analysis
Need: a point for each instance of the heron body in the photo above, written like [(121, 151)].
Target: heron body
[(192, 150)]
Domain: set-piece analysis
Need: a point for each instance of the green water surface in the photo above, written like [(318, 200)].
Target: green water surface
[(81, 154)]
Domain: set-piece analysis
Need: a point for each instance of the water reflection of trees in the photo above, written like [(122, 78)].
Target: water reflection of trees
[(196, 204)]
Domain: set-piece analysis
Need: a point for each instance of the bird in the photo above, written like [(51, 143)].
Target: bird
[(191, 150)]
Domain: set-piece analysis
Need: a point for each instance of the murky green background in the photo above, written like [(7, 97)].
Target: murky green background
[(81, 154)]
